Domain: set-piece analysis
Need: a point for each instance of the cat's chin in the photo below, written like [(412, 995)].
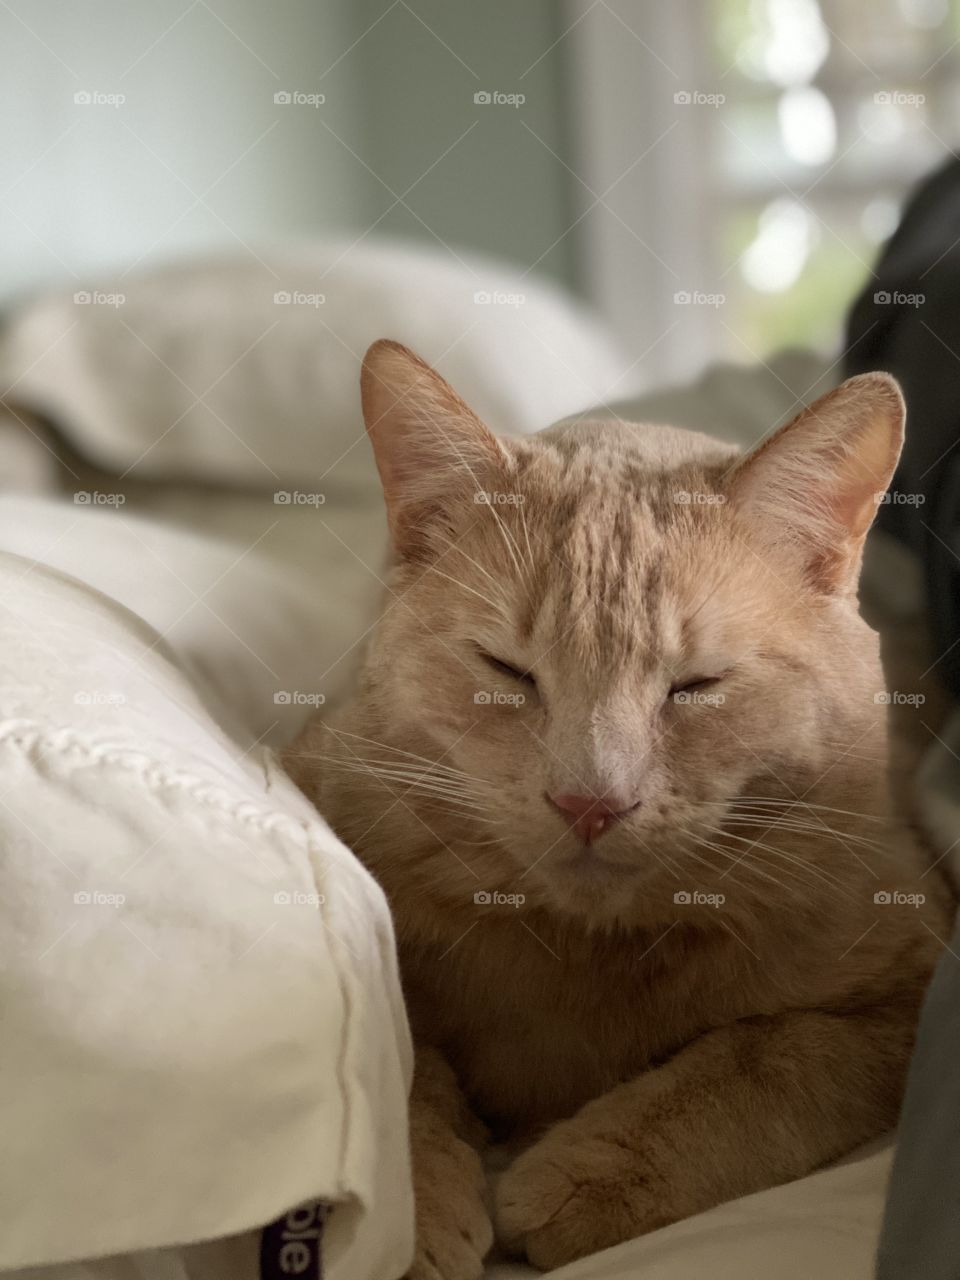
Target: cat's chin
[(594, 890)]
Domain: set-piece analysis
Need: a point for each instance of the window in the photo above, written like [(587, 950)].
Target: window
[(833, 110), (753, 156)]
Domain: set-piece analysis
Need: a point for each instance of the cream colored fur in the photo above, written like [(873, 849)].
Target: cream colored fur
[(710, 998)]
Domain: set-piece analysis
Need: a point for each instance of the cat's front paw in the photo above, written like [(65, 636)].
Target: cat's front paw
[(453, 1227), (571, 1195)]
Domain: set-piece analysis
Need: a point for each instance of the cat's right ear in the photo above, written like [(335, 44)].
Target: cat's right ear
[(812, 489), (428, 444)]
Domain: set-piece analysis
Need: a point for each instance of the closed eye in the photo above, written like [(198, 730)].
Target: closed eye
[(695, 685), (505, 669)]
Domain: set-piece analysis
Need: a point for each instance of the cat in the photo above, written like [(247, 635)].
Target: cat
[(617, 758)]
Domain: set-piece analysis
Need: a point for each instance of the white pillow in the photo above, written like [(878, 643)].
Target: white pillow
[(202, 1017), (196, 370), (263, 643)]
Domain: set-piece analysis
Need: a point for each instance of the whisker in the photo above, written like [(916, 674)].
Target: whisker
[(508, 541), (807, 804), (797, 827), (462, 800), (398, 769), (497, 608), (741, 861), (385, 746), (799, 871), (526, 536), (819, 873), (455, 546)]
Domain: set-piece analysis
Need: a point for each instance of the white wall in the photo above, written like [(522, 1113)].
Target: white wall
[(198, 153)]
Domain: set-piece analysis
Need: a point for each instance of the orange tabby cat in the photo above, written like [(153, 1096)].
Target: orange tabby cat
[(618, 760)]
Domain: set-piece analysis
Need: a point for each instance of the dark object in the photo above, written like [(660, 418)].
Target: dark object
[(907, 322), (921, 1228)]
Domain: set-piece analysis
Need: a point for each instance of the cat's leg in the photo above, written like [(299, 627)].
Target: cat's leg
[(744, 1107), (453, 1227)]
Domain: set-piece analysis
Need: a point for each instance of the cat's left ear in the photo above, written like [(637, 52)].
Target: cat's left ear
[(812, 489), (429, 445)]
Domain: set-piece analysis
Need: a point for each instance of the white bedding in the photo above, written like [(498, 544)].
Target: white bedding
[(257, 599), (201, 1016)]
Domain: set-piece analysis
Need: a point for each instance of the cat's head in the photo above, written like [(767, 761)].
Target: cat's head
[(607, 633)]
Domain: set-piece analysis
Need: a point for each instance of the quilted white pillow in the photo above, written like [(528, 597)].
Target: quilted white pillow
[(202, 1019)]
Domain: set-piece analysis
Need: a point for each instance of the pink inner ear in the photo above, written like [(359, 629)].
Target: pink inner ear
[(813, 487), (427, 442), (863, 478)]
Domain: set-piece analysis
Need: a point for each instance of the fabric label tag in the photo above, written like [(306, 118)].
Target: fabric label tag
[(293, 1245)]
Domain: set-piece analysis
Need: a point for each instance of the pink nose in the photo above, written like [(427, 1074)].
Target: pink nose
[(589, 816)]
